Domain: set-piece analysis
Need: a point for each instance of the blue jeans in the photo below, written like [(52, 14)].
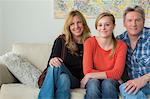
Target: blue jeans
[(102, 89), (57, 83), (141, 94)]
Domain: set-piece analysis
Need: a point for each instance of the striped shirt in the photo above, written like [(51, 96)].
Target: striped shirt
[(138, 60)]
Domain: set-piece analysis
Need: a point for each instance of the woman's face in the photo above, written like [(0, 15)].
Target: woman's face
[(76, 27), (105, 26)]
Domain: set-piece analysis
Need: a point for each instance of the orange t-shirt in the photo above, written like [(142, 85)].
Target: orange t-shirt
[(96, 59)]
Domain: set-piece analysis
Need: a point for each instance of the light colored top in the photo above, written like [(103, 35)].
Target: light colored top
[(96, 59)]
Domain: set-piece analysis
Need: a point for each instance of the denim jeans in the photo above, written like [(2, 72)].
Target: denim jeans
[(141, 94), (57, 83), (102, 89)]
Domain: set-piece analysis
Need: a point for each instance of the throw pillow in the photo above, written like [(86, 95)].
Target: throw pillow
[(21, 68)]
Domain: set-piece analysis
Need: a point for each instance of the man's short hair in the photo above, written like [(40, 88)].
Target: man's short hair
[(136, 8)]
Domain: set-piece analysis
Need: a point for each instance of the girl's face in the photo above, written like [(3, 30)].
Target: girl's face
[(76, 27), (105, 27)]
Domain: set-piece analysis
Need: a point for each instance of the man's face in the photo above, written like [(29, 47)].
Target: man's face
[(134, 23)]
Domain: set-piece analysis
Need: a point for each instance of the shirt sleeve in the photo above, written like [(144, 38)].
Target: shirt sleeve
[(57, 48), (88, 56), (119, 65)]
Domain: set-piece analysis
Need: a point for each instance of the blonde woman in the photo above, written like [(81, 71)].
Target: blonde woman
[(65, 73), (103, 60)]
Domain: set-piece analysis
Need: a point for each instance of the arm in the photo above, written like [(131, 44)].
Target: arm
[(89, 46), (132, 86), (114, 73), (55, 58), (88, 69), (57, 47), (148, 77), (119, 65), (6, 76)]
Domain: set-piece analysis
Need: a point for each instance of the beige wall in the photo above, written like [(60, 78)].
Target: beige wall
[(1, 37), (33, 21)]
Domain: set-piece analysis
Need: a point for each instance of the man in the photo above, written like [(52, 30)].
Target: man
[(137, 38)]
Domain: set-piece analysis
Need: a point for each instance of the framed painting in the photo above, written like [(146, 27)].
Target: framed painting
[(91, 8)]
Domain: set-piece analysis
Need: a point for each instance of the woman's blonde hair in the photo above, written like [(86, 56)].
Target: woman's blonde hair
[(100, 16), (70, 43)]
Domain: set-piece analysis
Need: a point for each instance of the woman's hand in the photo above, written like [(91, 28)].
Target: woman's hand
[(95, 75), (56, 61), (120, 81), (84, 81)]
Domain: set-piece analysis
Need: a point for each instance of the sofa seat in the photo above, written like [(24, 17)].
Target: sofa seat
[(20, 91), (38, 55)]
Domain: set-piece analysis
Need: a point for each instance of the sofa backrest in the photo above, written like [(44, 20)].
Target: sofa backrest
[(37, 54)]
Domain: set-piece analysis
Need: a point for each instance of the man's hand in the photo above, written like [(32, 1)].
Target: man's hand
[(133, 86)]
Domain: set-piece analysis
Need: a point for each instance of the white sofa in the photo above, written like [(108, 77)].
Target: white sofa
[(38, 55)]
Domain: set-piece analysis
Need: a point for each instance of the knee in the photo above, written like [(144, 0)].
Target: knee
[(64, 78), (122, 89), (55, 68), (52, 68), (109, 84), (93, 85), (64, 81)]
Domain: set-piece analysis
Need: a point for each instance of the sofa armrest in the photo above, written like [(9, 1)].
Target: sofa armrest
[(6, 76)]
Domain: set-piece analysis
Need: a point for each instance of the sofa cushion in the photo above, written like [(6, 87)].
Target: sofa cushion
[(77, 93), (5, 75), (21, 68), (20, 91), (37, 54)]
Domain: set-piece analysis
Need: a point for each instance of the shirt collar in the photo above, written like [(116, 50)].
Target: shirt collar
[(141, 36)]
